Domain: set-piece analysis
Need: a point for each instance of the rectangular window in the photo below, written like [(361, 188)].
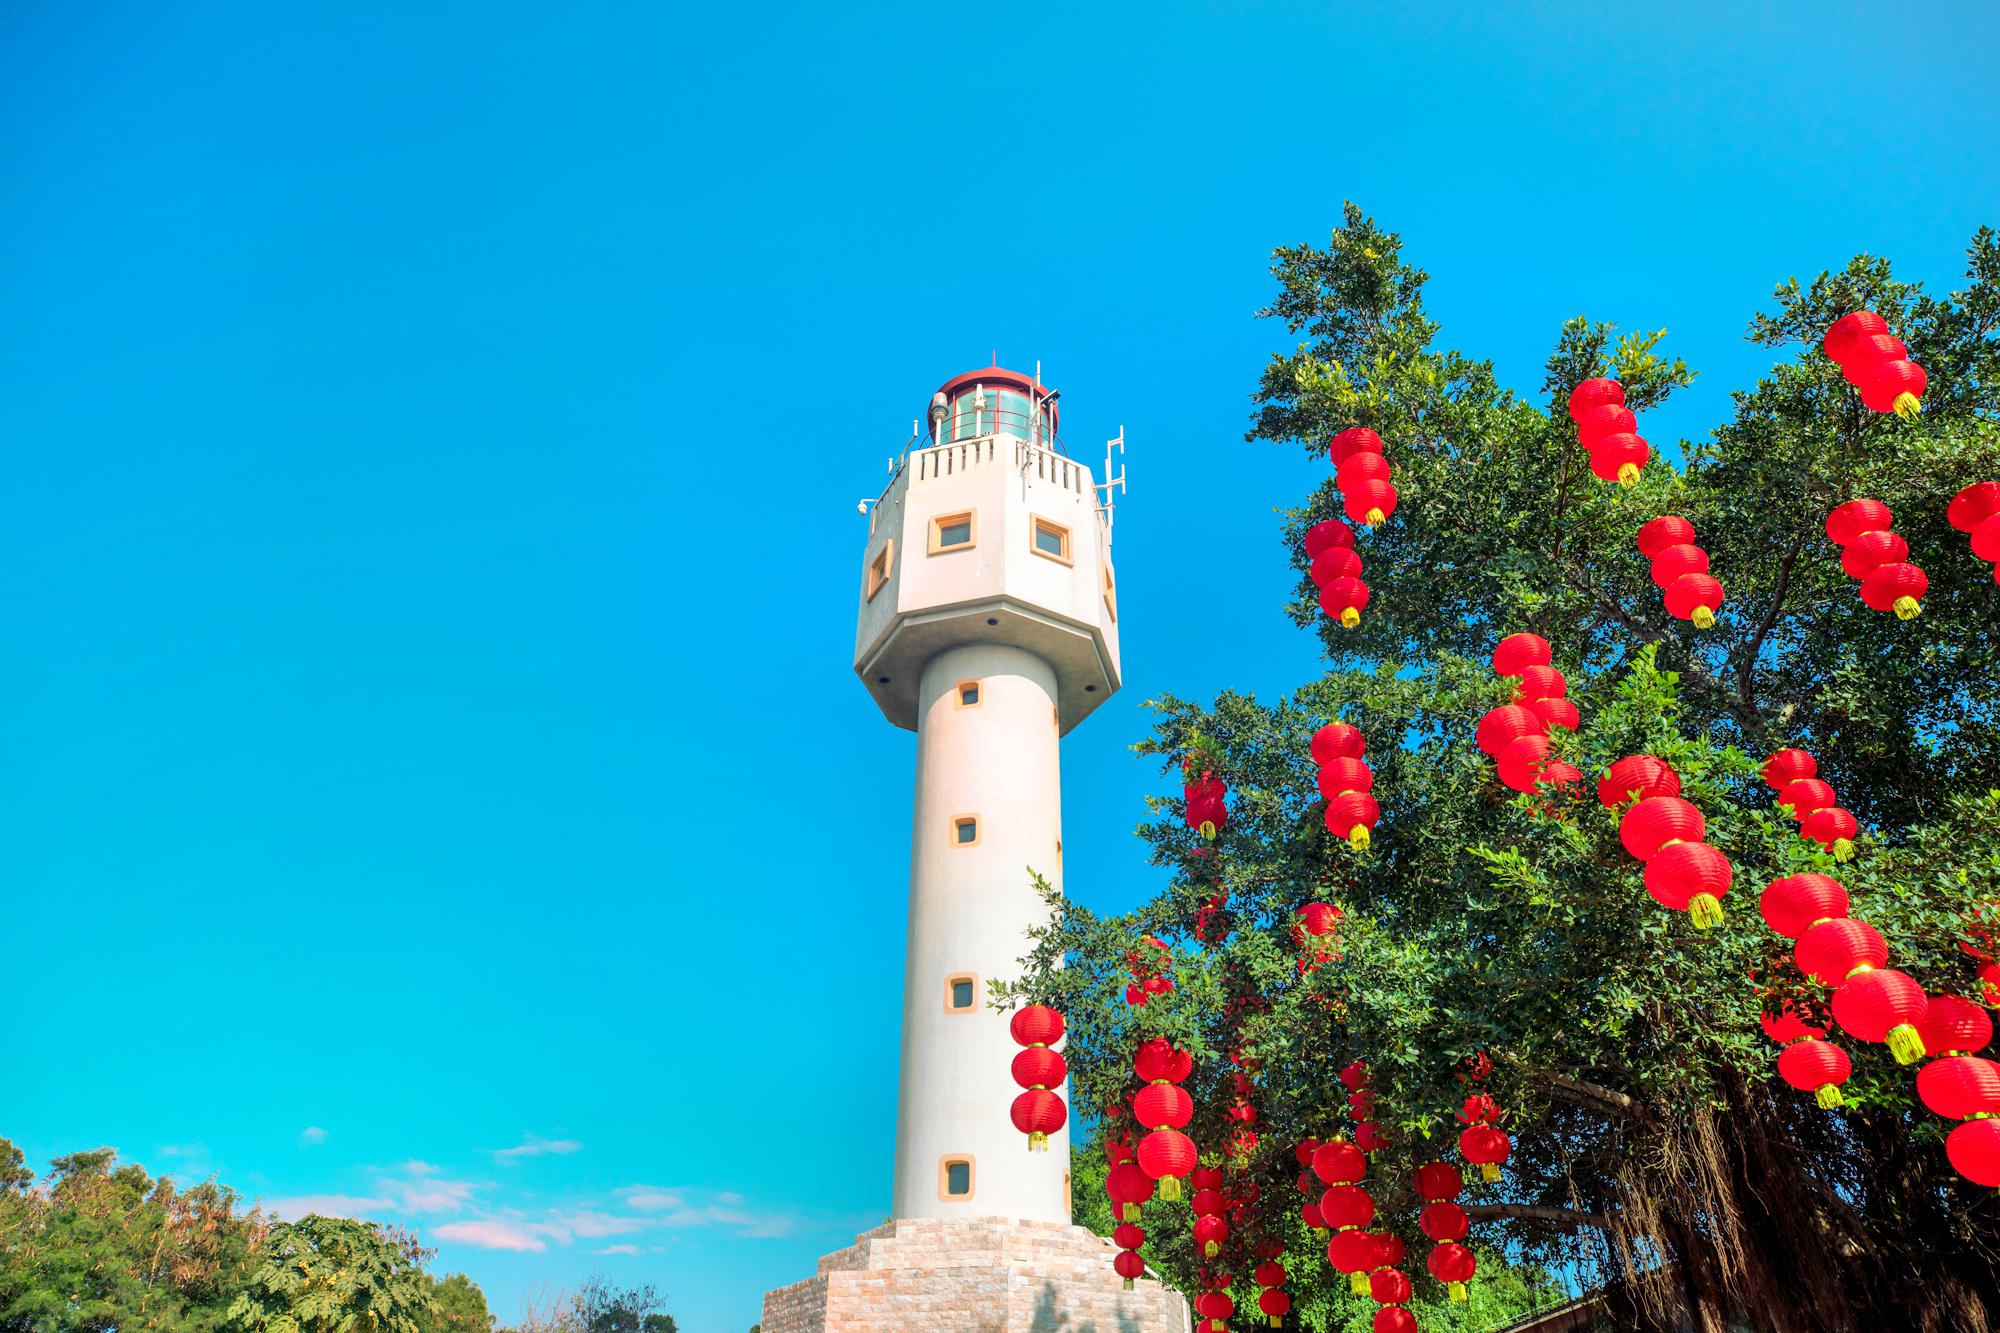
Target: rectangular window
[(1051, 540), (965, 831), (1110, 595), (961, 993), (953, 532), (878, 568), (955, 1178), (968, 694)]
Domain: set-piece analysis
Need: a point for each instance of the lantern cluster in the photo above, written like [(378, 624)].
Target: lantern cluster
[(1976, 511), (1680, 570), (1126, 1184), (1608, 430), (1039, 1111), (1517, 734), (1211, 1207), (1166, 1155), (1346, 780), (1362, 474), (1206, 797), (1683, 873), (1445, 1224), (1149, 965), (1213, 1303), (1877, 557), (1368, 1135), (1272, 1301), (1877, 363), (1482, 1143), (1806, 1060), (1960, 1085), (1336, 571), (1871, 1001), (1314, 932), (1346, 1207), (1793, 774)]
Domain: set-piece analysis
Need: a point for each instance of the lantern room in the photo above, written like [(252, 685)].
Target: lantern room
[(993, 402)]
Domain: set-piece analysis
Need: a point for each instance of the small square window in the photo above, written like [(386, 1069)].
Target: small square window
[(965, 831), (968, 693), (878, 568), (954, 532), (1051, 540), (961, 993), (955, 1178)]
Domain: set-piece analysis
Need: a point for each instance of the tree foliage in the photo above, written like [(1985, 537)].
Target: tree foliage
[(1653, 1146)]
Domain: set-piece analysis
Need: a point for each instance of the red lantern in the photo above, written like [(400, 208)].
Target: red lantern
[(1347, 1206), (1038, 1113), (1815, 1066), (1850, 520), (1690, 877), (1345, 775), (1954, 1025), (1327, 534), (1788, 766), (1973, 505), (1394, 1319), (1556, 713), (1215, 1305), (1876, 363), (1351, 1252), (1883, 1005), (1521, 761), (1594, 393), (1518, 651), (1354, 1075), (1355, 440), (1160, 1105), (1040, 1067), (1619, 458), (1368, 1137), (1636, 777), (1486, 1148), (1830, 951), (1036, 1025), (1539, 682), (1344, 600), (1352, 817), (1899, 587), (1694, 597), (1159, 1059), (1503, 724), (1339, 1163), (1338, 740), (1794, 903), (1787, 1025), (1444, 1221), (1370, 502), (1675, 561), (1274, 1303), (1986, 539), (1602, 419), (1974, 1151), (1336, 562), (1832, 828), (1210, 1232), (1313, 1218), (1805, 796), (1128, 1236), (1657, 822), (1166, 1155), (1389, 1287), (1667, 530), (1438, 1180), (1129, 1266), (1453, 1265), (1871, 550), (1128, 1186), (1959, 1087)]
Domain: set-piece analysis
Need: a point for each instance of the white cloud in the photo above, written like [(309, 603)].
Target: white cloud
[(595, 1225), (358, 1206), (651, 1197), (679, 1208), (492, 1234), (428, 1193), (311, 1135), (617, 1249), (534, 1145)]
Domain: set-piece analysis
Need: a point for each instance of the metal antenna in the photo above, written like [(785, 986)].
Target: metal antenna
[(1105, 507)]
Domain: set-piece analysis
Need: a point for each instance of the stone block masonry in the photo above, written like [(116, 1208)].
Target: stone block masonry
[(973, 1275)]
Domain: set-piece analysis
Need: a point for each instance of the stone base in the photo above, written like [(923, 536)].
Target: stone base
[(977, 1275)]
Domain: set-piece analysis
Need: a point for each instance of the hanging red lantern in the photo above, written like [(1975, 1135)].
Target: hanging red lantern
[(1594, 393), (1694, 597), (1335, 562), (1875, 362), (1339, 1163), (1129, 1266), (1519, 651), (1368, 1137), (1555, 713), (1338, 740), (1870, 551), (1344, 599), (1166, 1155), (1479, 1109), (1444, 1221), (1787, 1025), (1664, 531), (1354, 1075), (1394, 1319), (1206, 802), (1520, 761), (1675, 561), (1805, 796), (1637, 777), (1954, 1025), (1313, 1218), (1815, 1066), (1210, 1231), (1128, 1186), (1163, 1104), (1345, 775), (1128, 1236), (1974, 1151), (1316, 919), (1619, 457), (1438, 1180), (1657, 822), (1352, 441), (1848, 521), (1352, 817), (1793, 904), (1389, 1287), (1347, 1206), (1788, 766), (1690, 877), (1275, 1304), (1453, 1265), (1830, 951), (1883, 1005), (1503, 724), (1040, 1067), (1959, 1087), (1486, 1148), (1976, 512), (1326, 534), (1036, 1025), (1832, 828), (1357, 468), (1351, 1252), (1370, 502), (1038, 1113), (1539, 682), (1899, 587)]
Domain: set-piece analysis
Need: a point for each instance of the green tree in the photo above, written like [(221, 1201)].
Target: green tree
[(1653, 1147), (332, 1275), (458, 1306)]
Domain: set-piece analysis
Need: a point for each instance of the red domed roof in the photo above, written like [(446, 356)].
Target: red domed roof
[(994, 375)]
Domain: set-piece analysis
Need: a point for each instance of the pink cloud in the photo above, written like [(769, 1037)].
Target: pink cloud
[(491, 1235), (358, 1206)]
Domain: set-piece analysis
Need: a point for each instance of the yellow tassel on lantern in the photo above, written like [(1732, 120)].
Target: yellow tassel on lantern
[(1704, 911), (1905, 1044), (1128, 1284), (1489, 1170), (1456, 1290), (1906, 608), (1208, 830), (1038, 1142), (1350, 618), (1277, 1321), (1908, 405), (1843, 850), (1703, 618), (1358, 1283), (1357, 837), (1212, 1249), (1829, 1097), (1170, 1188), (1374, 518), (1131, 1212), (1628, 473)]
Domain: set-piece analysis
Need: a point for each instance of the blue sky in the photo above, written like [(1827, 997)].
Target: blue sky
[(434, 784)]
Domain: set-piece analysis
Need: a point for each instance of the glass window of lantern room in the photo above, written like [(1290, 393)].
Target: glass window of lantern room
[(968, 417), (1013, 414)]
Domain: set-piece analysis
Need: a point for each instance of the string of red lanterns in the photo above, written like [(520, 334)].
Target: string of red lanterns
[(1362, 474), (1517, 734), (1335, 568), (1346, 781), (1164, 1107), (1039, 1111), (1680, 570), (1794, 775), (1976, 512), (1877, 557), (1683, 873), (1272, 1300), (1150, 964), (1877, 363), (1960, 1085), (1606, 428)]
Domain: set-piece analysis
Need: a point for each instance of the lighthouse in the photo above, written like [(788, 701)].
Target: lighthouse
[(988, 626)]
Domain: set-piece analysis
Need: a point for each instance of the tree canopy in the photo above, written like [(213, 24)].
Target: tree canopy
[(1654, 1151)]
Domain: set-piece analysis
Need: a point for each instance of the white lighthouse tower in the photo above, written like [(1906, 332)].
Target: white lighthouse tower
[(988, 626)]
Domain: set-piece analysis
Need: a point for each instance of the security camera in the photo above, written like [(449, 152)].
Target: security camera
[(862, 508)]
